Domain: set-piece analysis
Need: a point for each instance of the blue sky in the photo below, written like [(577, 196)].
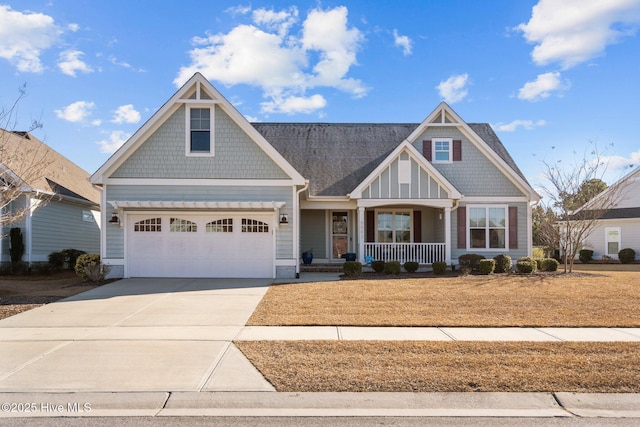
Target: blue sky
[(553, 77)]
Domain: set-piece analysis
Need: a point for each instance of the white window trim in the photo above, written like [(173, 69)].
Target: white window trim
[(393, 212), (607, 241), (433, 150), (506, 228), (187, 139)]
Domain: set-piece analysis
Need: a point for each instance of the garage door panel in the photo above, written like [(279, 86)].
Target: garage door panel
[(200, 245)]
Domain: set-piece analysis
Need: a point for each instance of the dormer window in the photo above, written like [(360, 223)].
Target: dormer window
[(199, 131)]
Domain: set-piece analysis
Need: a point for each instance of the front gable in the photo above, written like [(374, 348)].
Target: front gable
[(175, 143), (405, 174)]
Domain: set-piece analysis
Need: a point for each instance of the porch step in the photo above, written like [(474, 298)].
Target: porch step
[(321, 268)]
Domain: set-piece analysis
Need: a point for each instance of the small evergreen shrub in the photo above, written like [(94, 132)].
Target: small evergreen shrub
[(585, 256), (486, 266), (549, 264), (86, 264), (352, 268), (627, 255), (526, 265), (71, 256), (538, 263), (503, 263), (411, 266), (392, 267), (439, 267), (56, 260), (16, 250), (470, 260), (377, 266)]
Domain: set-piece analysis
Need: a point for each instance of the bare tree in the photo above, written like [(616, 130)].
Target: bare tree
[(23, 162), (571, 194)]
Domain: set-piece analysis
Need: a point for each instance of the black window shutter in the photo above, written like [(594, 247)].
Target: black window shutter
[(417, 226), (371, 226)]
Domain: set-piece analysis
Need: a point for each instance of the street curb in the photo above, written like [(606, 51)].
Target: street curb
[(347, 404)]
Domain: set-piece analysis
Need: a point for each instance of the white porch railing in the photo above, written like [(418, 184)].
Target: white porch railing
[(423, 253)]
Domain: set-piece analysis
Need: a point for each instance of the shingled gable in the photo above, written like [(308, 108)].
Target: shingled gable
[(210, 96)]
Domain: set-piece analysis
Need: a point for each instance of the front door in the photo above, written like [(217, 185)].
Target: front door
[(339, 234)]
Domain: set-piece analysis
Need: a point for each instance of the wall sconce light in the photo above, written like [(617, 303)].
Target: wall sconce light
[(114, 219), (440, 215), (284, 219)]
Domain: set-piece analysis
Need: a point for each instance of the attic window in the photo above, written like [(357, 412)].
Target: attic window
[(442, 150), (199, 139)]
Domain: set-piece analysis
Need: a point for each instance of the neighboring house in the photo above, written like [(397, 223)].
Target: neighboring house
[(619, 227), (61, 207), (199, 191)]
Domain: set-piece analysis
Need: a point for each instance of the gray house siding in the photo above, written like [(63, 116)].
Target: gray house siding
[(313, 235), (162, 155), (475, 175), (629, 237), (284, 235), (60, 225)]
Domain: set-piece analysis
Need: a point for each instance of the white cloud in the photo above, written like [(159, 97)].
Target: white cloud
[(73, 27), (115, 141), (273, 55), (542, 87), (569, 32), (69, 62), (75, 112), (402, 41), (514, 125), (126, 114), (23, 37), (295, 104), (618, 163), (454, 89)]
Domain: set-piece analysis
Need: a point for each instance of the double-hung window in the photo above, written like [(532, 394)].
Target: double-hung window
[(394, 227), (200, 131), (442, 150), (487, 227)]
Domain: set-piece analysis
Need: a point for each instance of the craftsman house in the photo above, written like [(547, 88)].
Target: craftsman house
[(199, 191), (47, 197)]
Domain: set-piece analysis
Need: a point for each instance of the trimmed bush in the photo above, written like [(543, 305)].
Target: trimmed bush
[(538, 263), (71, 256), (392, 267), (487, 266), (585, 256), (470, 260), (352, 268), (56, 259), (377, 266), (627, 255), (16, 248), (439, 267), (526, 265), (85, 263), (503, 263), (411, 266), (549, 264)]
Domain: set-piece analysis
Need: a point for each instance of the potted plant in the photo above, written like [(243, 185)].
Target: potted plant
[(307, 257)]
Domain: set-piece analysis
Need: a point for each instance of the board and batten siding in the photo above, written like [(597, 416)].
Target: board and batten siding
[(475, 174), (162, 155), (284, 235), (59, 225)]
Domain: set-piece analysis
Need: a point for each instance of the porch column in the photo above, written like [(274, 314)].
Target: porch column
[(361, 239), (447, 235)]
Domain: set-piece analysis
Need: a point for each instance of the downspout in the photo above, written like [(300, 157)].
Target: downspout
[(296, 229)]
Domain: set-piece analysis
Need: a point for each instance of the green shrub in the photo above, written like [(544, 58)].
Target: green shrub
[(439, 267), (71, 256), (56, 260), (627, 255), (470, 260), (86, 264), (411, 266), (538, 263), (487, 266), (392, 267), (549, 264), (585, 256), (378, 266), (538, 252), (503, 263), (526, 265), (352, 268)]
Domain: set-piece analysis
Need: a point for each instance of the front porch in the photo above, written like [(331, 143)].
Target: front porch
[(422, 253)]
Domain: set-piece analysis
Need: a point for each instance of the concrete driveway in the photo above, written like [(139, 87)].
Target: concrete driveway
[(135, 335)]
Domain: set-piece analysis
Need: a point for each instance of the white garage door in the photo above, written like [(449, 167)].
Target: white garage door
[(199, 245)]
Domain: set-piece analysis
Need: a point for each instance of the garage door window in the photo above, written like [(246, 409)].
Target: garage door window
[(179, 225), (220, 226), (254, 226), (148, 225)]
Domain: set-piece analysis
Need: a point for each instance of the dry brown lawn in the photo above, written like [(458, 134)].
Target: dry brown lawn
[(596, 298), (367, 366)]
